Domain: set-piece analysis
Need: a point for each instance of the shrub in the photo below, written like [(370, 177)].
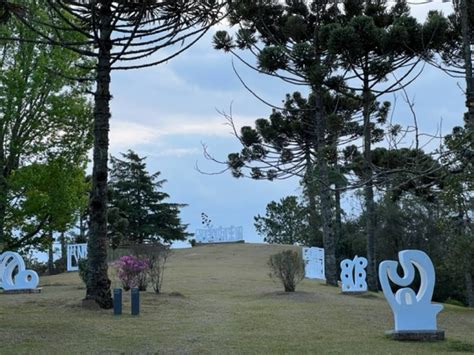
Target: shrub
[(288, 268), (35, 265), (132, 272), (83, 270), (157, 268), (156, 255)]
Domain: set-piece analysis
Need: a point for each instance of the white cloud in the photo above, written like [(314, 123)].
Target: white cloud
[(126, 134)]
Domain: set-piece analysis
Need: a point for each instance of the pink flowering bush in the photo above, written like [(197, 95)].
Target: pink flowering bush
[(132, 272)]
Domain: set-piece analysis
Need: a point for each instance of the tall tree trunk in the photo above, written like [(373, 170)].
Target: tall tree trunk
[(98, 283), (470, 288), (325, 193), (372, 281), (311, 192), (338, 212), (3, 208), (50, 252), (467, 41), (62, 240)]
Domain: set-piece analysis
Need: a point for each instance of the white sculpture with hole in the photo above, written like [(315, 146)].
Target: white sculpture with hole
[(13, 274), (411, 311), (353, 275), (314, 263)]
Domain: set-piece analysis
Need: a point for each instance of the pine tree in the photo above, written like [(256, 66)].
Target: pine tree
[(135, 196)]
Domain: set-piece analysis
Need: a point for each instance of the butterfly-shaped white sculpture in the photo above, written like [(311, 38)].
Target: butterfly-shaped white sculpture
[(353, 274), (412, 312), (13, 274)]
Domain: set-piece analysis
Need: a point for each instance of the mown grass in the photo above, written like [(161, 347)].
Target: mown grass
[(219, 300)]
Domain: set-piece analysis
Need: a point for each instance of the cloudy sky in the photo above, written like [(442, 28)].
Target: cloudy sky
[(165, 113)]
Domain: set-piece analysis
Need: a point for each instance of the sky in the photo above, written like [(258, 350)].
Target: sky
[(168, 112)]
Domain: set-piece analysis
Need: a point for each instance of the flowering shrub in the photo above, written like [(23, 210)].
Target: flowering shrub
[(131, 271)]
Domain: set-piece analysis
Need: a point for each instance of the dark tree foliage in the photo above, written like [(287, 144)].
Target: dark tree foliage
[(136, 197), (118, 35), (285, 39), (381, 46), (286, 222)]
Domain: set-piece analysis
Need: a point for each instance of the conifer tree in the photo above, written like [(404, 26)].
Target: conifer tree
[(136, 197), (116, 35)]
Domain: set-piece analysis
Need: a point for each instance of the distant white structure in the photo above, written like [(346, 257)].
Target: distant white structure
[(220, 235), (353, 274), (412, 312), (13, 273), (314, 263), (75, 252)]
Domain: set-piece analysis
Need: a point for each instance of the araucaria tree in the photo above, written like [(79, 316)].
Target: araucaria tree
[(135, 197), (117, 35), (285, 38), (381, 46)]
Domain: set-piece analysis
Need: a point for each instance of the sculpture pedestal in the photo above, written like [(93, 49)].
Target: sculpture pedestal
[(416, 335), (25, 290)]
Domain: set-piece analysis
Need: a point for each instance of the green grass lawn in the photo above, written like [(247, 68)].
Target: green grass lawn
[(216, 299)]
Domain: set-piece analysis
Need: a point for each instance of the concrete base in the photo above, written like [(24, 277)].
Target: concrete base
[(416, 335), (25, 290)]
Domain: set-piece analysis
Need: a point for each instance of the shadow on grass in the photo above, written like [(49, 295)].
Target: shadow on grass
[(459, 346)]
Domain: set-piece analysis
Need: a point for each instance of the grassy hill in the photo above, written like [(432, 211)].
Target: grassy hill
[(217, 299)]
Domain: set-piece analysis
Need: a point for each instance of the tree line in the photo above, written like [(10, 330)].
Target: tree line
[(338, 60)]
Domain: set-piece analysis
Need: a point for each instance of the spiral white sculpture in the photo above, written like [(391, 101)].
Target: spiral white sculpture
[(412, 312), (353, 274), (10, 263)]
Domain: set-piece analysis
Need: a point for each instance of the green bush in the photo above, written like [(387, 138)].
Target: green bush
[(288, 268)]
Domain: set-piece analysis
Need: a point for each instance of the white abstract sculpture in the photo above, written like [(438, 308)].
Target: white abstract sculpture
[(10, 263), (220, 235), (75, 252), (353, 274), (314, 263), (412, 312)]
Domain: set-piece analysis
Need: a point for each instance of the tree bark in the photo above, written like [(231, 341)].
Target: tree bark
[(3, 208), (372, 280), (467, 39), (50, 252), (62, 240), (311, 193), (98, 285), (470, 288), (325, 194), (338, 212)]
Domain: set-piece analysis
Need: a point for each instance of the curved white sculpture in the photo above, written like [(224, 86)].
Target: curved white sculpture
[(351, 268), (10, 263), (412, 312)]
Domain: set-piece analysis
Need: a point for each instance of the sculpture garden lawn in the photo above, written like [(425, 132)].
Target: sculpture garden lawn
[(217, 299)]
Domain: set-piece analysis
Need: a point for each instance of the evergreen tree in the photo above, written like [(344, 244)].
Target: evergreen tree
[(373, 41), (116, 35), (140, 214), (286, 222)]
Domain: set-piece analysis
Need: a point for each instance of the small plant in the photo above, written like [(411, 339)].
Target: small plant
[(288, 268), (157, 267), (156, 256), (132, 272)]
